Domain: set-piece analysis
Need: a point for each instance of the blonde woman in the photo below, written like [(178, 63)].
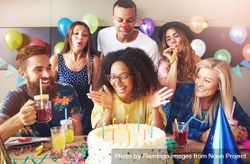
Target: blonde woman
[(213, 84)]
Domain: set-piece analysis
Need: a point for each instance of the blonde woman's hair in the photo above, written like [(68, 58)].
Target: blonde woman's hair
[(223, 95), (186, 64)]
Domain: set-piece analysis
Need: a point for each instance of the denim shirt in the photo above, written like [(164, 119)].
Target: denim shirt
[(180, 108)]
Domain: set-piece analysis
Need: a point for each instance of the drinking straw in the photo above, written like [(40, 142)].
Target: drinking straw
[(66, 113), (176, 123), (41, 87), (232, 111), (193, 117), (41, 91)]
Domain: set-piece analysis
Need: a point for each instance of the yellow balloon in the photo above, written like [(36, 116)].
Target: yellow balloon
[(13, 39), (58, 47), (92, 22), (196, 24), (205, 25)]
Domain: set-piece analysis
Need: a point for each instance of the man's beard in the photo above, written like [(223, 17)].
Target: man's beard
[(34, 88)]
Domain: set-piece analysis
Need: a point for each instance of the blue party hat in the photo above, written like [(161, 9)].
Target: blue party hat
[(220, 147)]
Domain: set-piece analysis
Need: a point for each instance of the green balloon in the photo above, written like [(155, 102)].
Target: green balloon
[(92, 22), (13, 39), (223, 55), (58, 47)]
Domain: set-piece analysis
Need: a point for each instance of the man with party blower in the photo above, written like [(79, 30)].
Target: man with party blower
[(123, 34), (18, 112)]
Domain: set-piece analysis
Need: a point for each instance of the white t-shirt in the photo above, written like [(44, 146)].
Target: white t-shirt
[(107, 42)]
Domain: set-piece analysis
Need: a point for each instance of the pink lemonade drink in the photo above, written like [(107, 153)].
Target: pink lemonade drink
[(181, 137), (180, 133), (43, 108)]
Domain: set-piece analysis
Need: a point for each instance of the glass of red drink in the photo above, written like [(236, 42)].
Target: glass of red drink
[(180, 133), (43, 108)]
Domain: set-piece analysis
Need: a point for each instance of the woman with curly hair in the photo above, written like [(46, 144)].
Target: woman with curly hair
[(177, 65), (128, 89)]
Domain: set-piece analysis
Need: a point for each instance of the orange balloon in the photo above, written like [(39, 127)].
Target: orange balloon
[(196, 24), (246, 52)]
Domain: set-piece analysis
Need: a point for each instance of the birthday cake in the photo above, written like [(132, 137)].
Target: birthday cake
[(106, 141)]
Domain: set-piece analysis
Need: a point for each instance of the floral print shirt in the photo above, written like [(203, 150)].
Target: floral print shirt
[(64, 98)]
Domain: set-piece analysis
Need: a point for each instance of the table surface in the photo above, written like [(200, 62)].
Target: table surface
[(192, 147)]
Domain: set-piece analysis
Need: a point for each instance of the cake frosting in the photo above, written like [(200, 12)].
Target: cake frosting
[(130, 138)]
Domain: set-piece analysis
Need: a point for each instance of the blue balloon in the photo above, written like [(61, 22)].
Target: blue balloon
[(63, 26)]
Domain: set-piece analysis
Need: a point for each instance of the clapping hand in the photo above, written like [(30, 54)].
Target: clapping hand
[(103, 97), (160, 97)]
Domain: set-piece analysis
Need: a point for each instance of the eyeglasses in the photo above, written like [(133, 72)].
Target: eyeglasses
[(122, 77)]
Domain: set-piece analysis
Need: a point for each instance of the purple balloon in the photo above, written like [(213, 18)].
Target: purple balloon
[(147, 26)]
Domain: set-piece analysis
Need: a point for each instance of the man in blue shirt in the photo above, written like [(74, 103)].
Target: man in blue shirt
[(17, 110)]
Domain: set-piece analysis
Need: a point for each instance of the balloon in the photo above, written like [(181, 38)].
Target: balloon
[(197, 24), (147, 26), (63, 26), (13, 39), (58, 47), (40, 43), (238, 34), (91, 21), (246, 52), (199, 47), (223, 55)]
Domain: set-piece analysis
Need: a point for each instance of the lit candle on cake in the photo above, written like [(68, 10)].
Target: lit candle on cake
[(127, 122), (103, 124), (113, 129), (129, 135), (151, 130), (144, 132), (138, 123), (149, 120)]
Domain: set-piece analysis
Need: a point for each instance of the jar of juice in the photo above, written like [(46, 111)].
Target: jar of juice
[(43, 108), (68, 130)]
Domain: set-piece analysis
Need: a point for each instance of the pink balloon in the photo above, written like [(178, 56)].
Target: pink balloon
[(40, 43), (246, 52), (147, 26)]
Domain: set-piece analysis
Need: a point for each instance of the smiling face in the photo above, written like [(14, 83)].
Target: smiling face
[(173, 39), (38, 67), (79, 38), (124, 21), (121, 81), (206, 84)]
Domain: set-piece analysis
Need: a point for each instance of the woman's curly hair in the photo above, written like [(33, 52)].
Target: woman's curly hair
[(140, 66)]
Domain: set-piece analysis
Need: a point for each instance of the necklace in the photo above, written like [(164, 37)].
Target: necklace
[(76, 65)]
